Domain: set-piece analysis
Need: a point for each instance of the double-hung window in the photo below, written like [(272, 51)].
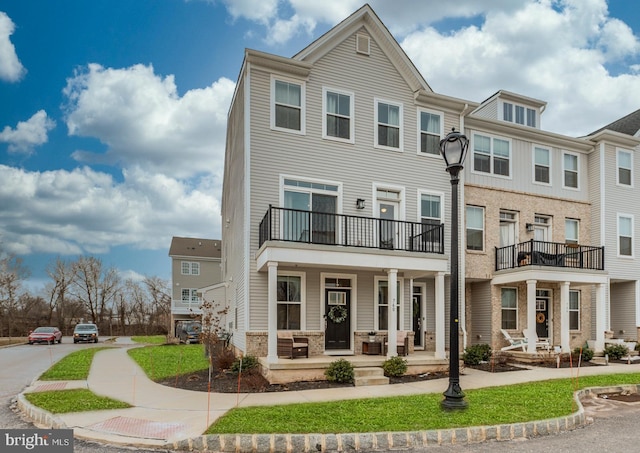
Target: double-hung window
[(189, 295), (519, 114), (625, 235), (571, 228), (491, 155), (388, 132), (290, 294), (430, 127), (570, 170), (625, 165), (475, 228), (338, 115), (287, 105), (385, 301), (509, 302), (541, 165), (431, 218), (190, 268), (574, 310)]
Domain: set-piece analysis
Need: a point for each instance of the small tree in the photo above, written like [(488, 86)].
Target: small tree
[(214, 336)]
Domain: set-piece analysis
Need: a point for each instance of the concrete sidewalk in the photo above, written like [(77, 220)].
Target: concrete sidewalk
[(172, 418)]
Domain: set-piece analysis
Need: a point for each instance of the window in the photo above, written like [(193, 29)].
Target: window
[(383, 304), (523, 115), (431, 208), (388, 125), (541, 165), (475, 228), (625, 161), (289, 302), (190, 295), (491, 155), (338, 111), (302, 196), (509, 308), (430, 128), (570, 170), (190, 268), (288, 106), (571, 228), (574, 310), (625, 235)]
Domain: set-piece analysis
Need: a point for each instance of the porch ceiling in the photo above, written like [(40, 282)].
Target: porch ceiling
[(550, 275), (312, 255)]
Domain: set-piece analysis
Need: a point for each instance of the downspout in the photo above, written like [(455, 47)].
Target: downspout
[(462, 246)]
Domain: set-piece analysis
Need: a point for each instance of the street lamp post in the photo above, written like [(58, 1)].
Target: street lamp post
[(454, 149)]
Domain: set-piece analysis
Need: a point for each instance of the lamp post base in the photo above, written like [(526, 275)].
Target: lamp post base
[(454, 398)]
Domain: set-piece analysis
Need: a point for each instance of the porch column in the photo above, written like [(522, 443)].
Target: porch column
[(440, 321), (392, 329), (272, 313), (531, 315), (564, 317), (600, 321)]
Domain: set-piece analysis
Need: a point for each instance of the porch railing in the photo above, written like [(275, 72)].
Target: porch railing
[(553, 254), (294, 225)]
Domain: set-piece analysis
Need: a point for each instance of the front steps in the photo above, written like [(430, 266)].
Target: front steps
[(369, 376)]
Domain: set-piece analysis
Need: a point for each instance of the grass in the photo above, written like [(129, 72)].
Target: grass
[(150, 339), (73, 367), (74, 400), (161, 362), (487, 406)]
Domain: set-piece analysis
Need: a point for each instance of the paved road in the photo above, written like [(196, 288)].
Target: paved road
[(614, 428)]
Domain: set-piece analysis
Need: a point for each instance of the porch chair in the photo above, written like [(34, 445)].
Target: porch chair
[(543, 344), (514, 342), (402, 343), (292, 346)]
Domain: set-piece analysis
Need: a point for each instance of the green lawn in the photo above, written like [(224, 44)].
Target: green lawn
[(487, 406), (73, 400), (75, 366), (161, 362), (150, 339)]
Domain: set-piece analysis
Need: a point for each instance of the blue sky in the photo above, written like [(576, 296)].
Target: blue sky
[(113, 112)]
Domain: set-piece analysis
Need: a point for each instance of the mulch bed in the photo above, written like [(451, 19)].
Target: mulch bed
[(496, 367), (627, 397)]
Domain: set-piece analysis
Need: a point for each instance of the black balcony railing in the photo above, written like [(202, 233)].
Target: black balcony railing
[(294, 225), (554, 254)]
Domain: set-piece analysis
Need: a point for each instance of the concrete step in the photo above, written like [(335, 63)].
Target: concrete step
[(369, 376)]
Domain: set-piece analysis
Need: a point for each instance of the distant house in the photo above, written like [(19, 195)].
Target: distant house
[(195, 264)]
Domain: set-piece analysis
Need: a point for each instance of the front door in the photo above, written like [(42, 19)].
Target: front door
[(542, 317), (337, 308), (388, 215), (418, 301)]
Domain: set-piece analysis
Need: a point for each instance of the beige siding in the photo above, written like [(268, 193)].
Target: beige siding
[(479, 306), (623, 313), (490, 110)]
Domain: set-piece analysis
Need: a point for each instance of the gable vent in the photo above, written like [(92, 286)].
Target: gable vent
[(363, 44)]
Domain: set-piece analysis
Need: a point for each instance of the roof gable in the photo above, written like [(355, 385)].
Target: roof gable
[(629, 125), (195, 247)]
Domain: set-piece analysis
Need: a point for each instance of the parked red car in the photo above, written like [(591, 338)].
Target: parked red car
[(47, 335)]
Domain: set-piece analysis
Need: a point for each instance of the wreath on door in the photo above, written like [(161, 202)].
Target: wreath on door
[(337, 314), (540, 318)]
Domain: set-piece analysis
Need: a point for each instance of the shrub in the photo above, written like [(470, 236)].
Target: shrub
[(248, 362), (340, 371), (587, 354), (616, 351), (225, 359), (476, 353), (394, 367)]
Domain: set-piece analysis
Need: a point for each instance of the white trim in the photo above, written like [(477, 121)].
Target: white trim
[(620, 215), (577, 156), (567, 239), (272, 106), (303, 294), (618, 183), (484, 227), (376, 321), (533, 165), (579, 310), (400, 106), (419, 204), (420, 110), (351, 117), (423, 313), (353, 315), (491, 155), (517, 309)]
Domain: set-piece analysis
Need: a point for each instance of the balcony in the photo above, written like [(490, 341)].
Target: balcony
[(552, 254), (294, 225)]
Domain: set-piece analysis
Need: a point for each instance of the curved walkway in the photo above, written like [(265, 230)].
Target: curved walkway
[(175, 418)]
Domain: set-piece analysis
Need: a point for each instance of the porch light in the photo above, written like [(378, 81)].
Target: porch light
[(360, 203), (454, 149), (529, 227)]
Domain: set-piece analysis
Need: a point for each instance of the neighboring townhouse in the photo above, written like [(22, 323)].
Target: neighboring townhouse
[(336, 209), (195, 265)]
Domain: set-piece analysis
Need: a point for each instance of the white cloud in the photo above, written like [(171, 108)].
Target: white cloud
[(11, 70), (84, 211), (28, 134), (143, 121)]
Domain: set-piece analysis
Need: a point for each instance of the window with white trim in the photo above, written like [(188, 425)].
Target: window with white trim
[(625, 235), (287, 105), (475, 228), (388, 131), (382, 289), (571, 229), (519, 114), (430, 125), (541, 165), (491, 155), (509, 308), (625, 166), (570, 170), (290, 293), (190, 295), (574, 310), (190, 268), (338, 115)]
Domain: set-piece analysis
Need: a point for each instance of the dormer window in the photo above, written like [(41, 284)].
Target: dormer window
[(519, 114)]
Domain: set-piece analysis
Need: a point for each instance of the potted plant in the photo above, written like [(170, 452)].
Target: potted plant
[(372, 336)]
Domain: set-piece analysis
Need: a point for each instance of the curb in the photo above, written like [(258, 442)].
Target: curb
[(360, 442)]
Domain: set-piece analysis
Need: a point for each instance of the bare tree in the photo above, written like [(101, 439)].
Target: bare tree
[(62, 274), (94, 287), (12, 273), (160, 295)]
